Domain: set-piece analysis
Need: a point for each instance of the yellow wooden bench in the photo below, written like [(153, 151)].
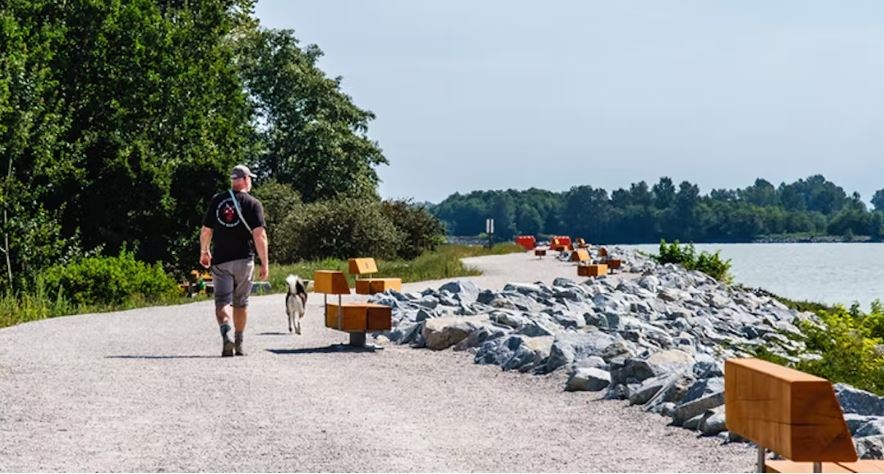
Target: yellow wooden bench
[(353, 318), (593, 270), (579, 255), (791, 413), (369, 286)]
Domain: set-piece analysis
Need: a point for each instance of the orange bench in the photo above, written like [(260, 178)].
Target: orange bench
[(579, 255), (594, 270), (791, 413), (370, 286), (353, 318)]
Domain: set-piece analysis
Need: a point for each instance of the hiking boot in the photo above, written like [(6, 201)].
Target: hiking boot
[(227, 350), (237, 346)]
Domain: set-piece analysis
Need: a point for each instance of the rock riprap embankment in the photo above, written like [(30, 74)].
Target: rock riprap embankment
[(658, 339)]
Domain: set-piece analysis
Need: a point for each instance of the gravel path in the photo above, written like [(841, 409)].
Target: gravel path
[(145, 390)]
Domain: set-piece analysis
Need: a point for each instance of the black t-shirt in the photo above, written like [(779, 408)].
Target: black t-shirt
[(232, 240)]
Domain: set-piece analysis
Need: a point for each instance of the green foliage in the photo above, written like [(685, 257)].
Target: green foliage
[(686, 256), (108, 280), (851, 344), (278, 200), (811, 207), (310, 135), (342, 228), (421, 231)]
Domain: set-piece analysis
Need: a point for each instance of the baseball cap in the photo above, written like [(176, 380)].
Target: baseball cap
[(241, 171)]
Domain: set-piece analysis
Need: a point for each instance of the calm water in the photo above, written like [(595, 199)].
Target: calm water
[(829, 273)]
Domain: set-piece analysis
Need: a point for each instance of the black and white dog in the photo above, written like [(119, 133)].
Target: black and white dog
[(295, 302)]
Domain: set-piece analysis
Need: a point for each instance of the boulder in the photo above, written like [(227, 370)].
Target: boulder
[(462, 290), (870, 447), (873, 427), (861, 402), (691, 409), (442, 333), (588, 379), (713, 424), (647, 390), (571, 346)]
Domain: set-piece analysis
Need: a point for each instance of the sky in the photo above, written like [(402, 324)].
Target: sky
[(500, 94)]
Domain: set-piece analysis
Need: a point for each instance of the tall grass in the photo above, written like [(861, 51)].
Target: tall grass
[(444, 262)]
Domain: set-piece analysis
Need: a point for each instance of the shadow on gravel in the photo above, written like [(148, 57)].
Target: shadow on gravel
[(273, 334), (326, 350), (162, 357)]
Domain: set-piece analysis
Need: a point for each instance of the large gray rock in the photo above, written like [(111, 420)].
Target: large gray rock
[(648, 389), (702, 388), (713, 424), (588, 379), (485, 332), (689, 410), (442, 333), (571, 346), (631, 371), (870, 447), (861, 402), (462, 290), (874, 427)]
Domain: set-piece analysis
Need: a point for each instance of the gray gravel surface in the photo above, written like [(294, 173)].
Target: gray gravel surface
[(146, 390)]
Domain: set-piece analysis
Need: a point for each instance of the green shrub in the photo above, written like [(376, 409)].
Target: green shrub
[(108, 281), (342, 229), (850, 345), (422, 231), (279, 200), (709, 263)]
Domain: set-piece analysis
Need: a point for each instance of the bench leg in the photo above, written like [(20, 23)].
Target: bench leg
[(761, 455), (357, 339), (817, 467)]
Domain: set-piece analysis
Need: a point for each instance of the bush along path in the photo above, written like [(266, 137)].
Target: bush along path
[(659, 339)]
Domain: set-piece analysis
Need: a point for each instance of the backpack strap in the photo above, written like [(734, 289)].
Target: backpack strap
[(238, 210)]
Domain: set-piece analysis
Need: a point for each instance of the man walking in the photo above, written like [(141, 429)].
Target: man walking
[(234, 225)]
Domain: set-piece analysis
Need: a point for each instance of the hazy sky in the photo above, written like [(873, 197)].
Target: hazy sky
[(515, 94)]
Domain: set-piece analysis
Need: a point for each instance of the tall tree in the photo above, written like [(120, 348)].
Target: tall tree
[(309, 133)]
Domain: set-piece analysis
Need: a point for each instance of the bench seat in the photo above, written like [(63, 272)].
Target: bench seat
[(370, 286), (359, 317)]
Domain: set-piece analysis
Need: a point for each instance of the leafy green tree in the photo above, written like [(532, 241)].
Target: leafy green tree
[(878, 200), (528, 220), (309, 134), (421, 231), (664, 193)]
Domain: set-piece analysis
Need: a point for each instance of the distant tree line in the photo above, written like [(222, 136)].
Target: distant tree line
[(120, 119), (643, 214)]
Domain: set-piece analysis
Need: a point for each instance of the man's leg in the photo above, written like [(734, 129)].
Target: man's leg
[(223, 285), (241, 301)]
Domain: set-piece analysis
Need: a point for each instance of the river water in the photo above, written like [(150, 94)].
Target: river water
[(824, 272)]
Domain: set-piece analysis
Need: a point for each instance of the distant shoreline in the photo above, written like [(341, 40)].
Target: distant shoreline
[(768, 239)]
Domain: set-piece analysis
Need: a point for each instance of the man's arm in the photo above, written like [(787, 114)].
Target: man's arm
[(205, 241), (260, 237)]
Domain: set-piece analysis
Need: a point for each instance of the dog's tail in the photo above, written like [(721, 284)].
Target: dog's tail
[(296, 286)]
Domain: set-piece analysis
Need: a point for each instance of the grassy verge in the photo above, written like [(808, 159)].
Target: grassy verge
[(444, 262)]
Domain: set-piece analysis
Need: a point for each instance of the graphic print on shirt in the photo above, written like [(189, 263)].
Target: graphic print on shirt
[(226, 213)]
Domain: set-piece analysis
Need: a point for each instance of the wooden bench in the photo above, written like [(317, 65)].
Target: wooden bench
[(791, 413), (579, 255), (539, 253), (592, 270), (369, 286), (613, 263), (353, 318)]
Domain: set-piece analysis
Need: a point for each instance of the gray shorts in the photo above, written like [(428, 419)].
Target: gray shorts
[(232, 282)]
